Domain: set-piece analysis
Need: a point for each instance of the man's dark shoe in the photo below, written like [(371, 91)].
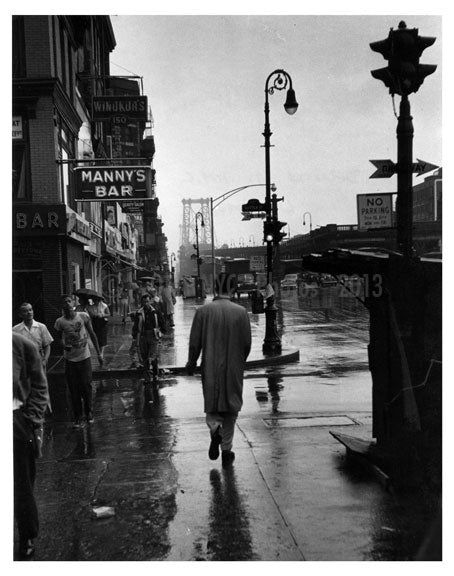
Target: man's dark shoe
[(227, 458), (26, 550), (77, 423), (216, 439)]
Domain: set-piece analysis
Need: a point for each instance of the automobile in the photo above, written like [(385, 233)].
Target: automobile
[(327, 280), (245, 284), (289, 282), (310, 278)]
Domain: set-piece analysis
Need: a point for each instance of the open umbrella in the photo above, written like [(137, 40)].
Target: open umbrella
[(88, 292)]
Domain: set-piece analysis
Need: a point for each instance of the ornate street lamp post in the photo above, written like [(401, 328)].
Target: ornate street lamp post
[(281, 80)]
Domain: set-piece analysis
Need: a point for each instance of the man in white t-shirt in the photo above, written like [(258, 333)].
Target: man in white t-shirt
[(73, 329)]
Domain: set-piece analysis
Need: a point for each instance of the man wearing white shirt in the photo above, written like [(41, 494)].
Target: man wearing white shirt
[(34, 331)]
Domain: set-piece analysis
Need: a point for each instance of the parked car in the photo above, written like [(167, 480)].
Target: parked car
[(245, 284), (289, 282), (327, 280)]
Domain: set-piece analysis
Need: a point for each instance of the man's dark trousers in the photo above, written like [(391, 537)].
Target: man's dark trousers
[(25, 509), (79, 377)]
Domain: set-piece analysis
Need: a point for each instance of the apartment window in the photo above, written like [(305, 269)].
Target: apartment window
[(18, 48), (66, 145), (21, 162), (75, 277)]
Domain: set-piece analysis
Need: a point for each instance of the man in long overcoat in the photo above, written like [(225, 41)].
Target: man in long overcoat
[(221, 331)]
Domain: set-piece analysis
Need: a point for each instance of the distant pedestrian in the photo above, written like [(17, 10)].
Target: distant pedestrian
[(35, 331), (147, 328), (83, 303), (221, 331), (168, 301), (156, 299), (30, 399), (73, 329), (99, 313), (124, 304)]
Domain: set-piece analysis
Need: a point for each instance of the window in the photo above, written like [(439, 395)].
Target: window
[(19, 69), (21, 167), (66, 145), (75, 277)]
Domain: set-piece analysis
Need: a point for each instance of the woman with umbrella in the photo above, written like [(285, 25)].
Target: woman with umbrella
[(99, 312)]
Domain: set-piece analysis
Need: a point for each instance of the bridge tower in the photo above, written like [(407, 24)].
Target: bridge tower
[(190, 209)]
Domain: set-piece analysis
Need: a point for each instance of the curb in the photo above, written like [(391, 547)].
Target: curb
[(286, 357)]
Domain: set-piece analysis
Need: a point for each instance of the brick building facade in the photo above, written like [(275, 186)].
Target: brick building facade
[(61, 244)]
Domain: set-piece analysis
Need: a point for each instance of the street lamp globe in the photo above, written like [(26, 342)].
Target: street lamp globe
[(291, 105)]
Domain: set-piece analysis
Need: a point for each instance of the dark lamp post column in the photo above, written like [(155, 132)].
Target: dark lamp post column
[(277, 80)]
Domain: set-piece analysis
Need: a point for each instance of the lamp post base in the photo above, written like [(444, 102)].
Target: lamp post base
[(272, 345)]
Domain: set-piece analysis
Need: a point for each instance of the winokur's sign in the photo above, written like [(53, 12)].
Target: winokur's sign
[(131, 107), (119, 183)]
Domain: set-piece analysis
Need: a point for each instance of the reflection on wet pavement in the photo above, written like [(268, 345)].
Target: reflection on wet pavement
[(229, 537), (291, 495)]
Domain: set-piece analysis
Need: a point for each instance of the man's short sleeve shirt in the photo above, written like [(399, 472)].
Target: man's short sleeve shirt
[(38, 334)]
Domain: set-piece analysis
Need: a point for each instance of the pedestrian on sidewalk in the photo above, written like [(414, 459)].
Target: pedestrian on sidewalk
[(73, 329), (221, 331), (83, 303), (168, 302), (35, 331), (148, 324), (99, 314), (124, 304), (30, 399)]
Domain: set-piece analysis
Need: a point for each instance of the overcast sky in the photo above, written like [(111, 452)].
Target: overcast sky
[(205, 80)]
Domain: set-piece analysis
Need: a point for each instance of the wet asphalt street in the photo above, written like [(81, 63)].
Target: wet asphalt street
[(291, 494)]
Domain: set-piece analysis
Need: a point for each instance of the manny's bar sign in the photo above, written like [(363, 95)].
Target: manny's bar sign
[(102, 183), (107, 107)]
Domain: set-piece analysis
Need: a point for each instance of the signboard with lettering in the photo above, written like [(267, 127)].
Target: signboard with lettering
[(257, 263), (107, 183), (77, 227), (39, 219), (133, 207), (117, 107), (18, 132), (374, 210)]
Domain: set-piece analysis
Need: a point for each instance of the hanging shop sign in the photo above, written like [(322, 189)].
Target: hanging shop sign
[(77, 227), (117, 108), (107, 183)]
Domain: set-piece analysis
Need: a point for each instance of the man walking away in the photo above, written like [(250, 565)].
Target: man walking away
[(221, 331), (73, 329), (30, 399)]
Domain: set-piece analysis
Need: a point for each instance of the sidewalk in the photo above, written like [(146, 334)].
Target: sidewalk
[(291, 495)]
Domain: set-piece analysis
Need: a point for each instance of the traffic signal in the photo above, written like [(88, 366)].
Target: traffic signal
[(278, 235), (403, 48), (268, 231)]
